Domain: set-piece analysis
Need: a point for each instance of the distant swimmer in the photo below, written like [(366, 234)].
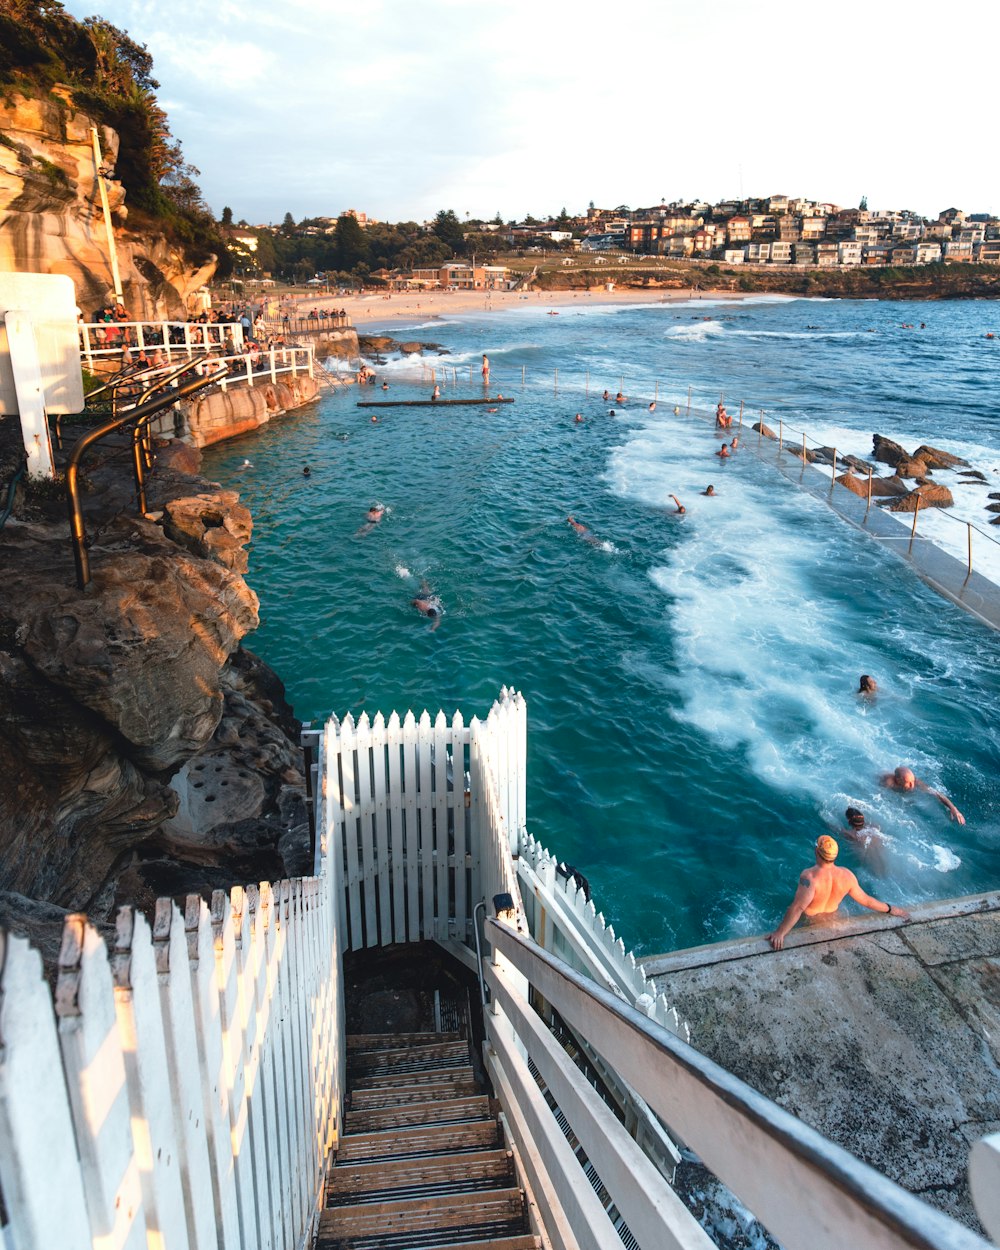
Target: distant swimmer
[(606, 396), (428, 604), (376, 512), (903, 778), (436, 393), (245, 465), (652, 405), (619, 398), (374, 418), (709, 490), (306, 471), (822, 888), (736, 442), (867, 686), (491, 410), (582, 530), (385, 386), (680, 506), (578, 418), (723, 452)]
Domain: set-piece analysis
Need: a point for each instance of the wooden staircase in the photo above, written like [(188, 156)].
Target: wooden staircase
[(422, 1165)]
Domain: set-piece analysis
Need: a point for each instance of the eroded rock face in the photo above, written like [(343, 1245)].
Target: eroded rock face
[(937, 459), (115, 700), (886, 451), (854, 484), (51, 220)]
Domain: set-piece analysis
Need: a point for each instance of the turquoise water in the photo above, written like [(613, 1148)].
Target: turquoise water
[(690, 679)]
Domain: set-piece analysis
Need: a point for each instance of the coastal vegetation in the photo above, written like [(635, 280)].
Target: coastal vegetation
[(109, 76)]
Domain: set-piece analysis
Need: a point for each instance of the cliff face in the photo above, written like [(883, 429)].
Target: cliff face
[(51, 220), (142, 750)]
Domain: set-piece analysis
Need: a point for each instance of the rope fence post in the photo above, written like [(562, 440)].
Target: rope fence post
[(555, 383), (969, 527), (587, 385), (781, 434), (804, 461), (913, 531), (869, 492), (833, 475), (522, 375), (688, 412), (656, 392), (741, 414), (760, 427)]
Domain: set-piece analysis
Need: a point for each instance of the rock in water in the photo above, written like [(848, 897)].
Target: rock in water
[(886, 451), (930, 496), (936, 459)]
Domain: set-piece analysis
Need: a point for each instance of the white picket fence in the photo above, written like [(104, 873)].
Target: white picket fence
[(184, 1089), (405, 804), (100, 339)]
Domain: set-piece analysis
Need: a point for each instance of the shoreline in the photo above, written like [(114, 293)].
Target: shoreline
[(377, 307)]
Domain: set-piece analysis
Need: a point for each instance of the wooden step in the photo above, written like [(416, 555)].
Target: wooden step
[(410, 1076), (496, 1243), (409, 1223), (403, 1095), (450, 1110), (431, 1139), (383, 1181), (394, 1041), (447, 1054)]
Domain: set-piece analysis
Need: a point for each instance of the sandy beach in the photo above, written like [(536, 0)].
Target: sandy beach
[(378, 307)]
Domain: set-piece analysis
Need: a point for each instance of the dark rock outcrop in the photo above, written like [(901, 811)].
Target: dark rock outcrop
[(911, 467), (886, 487), (857, 485), (761, 428), (932, 495), (886, 451), (936, 459), (142, 750)]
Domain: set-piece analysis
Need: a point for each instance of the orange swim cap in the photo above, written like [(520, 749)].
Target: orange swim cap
[(827, 848)]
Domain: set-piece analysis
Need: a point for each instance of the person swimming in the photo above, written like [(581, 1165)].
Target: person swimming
[(709, 490), (428, 604), (680, 506), (376, 512)]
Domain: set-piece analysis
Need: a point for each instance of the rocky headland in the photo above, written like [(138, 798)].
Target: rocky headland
[(51, 220), (144, 751)]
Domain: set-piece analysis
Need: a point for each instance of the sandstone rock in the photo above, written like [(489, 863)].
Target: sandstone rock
[(936, 459), (885, 487), (143, 647), (177, 457), (974, 475), (886, 451), (934, 496), (52, 217), (215, 526), (857, 485), (760, 428), (911, 468)]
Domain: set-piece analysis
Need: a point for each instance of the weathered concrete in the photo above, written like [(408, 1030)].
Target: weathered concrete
[(882, 1034)]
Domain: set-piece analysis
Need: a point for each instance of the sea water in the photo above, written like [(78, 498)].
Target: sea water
[(690, 678)]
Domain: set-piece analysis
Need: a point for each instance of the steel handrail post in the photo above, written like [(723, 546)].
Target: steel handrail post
[(76, 526)]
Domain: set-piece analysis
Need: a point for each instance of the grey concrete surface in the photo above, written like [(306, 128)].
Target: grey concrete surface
[(883, 1035)]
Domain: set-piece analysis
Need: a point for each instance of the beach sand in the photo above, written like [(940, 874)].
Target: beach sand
[(376, 308)]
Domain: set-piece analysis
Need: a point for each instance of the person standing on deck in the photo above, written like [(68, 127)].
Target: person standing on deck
[(822, 889), (486, 370)]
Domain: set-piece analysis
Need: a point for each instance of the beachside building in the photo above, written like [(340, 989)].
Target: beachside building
[(804, 253), (989, 252), (813, 227), (826, 255), (928, 252), (738, 230), (734, 255), (781, 252), (758, 253), (849, 252)]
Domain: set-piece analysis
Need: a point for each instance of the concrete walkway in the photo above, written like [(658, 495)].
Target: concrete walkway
[(883, 1035)]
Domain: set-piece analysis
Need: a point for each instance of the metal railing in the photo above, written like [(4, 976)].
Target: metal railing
[(100, 340), (825, 1200), (151, 400)]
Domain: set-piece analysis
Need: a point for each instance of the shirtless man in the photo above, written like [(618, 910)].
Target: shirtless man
[(680, 506), (428, 604), (822, 889), (709, 490), (868, 686), (723, 452), (903, 778)]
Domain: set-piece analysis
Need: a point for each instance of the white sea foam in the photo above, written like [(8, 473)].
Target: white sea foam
[(402, 572), (697, 332)]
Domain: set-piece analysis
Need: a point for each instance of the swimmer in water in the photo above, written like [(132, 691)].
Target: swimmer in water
[(578, 419), (723, 452), (903, 778), (606, 396), (680, 506), (376, 513), (709, 490), (428, 604), (436, 393), (867, 687), (306, 471)]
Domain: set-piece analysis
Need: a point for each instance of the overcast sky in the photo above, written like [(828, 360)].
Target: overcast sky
[(398, 108)]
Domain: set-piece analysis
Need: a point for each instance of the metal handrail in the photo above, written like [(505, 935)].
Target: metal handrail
[(142, 413), (699, 1099)]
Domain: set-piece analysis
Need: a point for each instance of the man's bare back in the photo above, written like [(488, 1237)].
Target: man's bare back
[(822, 888)]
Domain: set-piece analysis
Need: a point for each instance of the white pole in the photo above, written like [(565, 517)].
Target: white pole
[(112, 249)]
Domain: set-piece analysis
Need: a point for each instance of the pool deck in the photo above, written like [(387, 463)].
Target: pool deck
[(882, 1034)]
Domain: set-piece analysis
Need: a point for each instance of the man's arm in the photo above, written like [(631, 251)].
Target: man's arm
[(953, 811), (803, 897), (873, 904)]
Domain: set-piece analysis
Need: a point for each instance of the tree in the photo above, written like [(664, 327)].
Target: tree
[(448, 229), (351, 244), (863, 206), (288, 225), (227, 216)]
